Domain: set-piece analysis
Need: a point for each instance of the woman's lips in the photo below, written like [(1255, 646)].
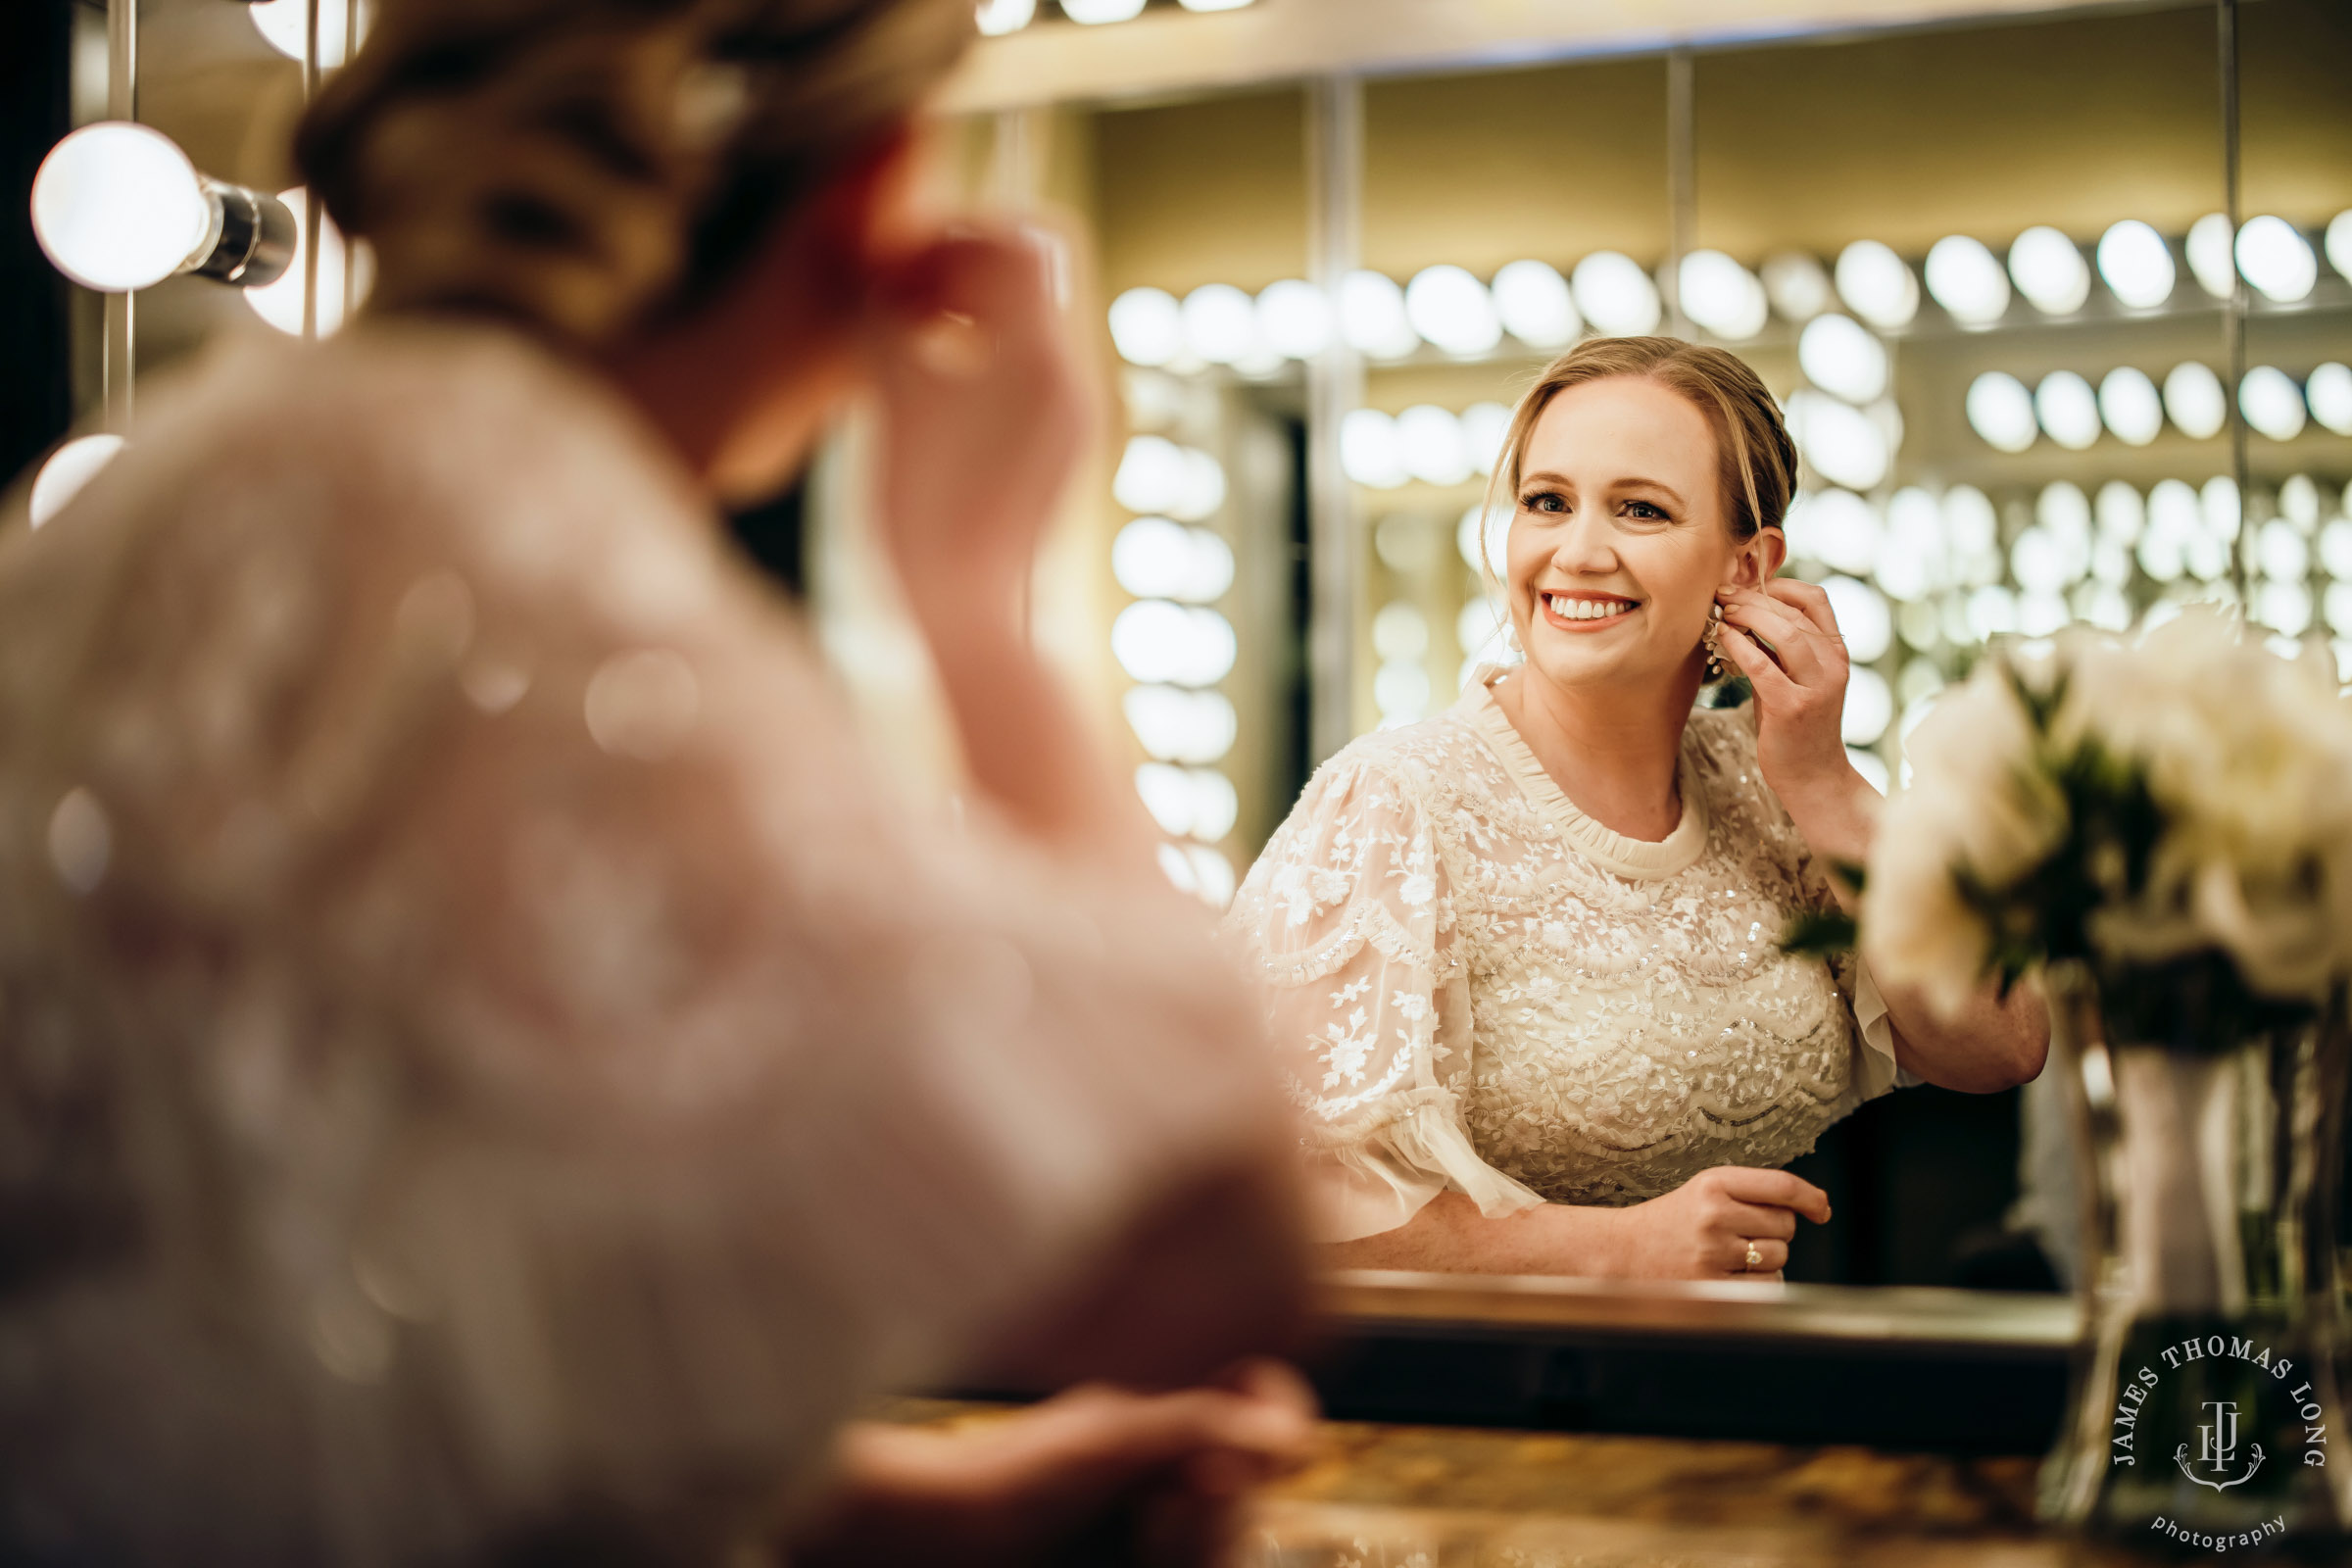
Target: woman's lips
[(1586, 611)]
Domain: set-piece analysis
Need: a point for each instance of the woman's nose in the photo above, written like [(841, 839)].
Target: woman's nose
[(1584, 546)]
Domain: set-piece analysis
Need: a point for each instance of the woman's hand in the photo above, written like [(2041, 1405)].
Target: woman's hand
[(1703, 1229), (1097, 1475), (1784, 637), (985, 408)]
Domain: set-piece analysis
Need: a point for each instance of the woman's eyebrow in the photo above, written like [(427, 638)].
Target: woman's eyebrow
[(1659, 485)]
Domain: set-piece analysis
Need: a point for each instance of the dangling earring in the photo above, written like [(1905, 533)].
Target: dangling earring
[(1712, 641)]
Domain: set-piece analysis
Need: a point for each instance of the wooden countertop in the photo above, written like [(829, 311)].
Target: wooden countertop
[(1411, 1497)]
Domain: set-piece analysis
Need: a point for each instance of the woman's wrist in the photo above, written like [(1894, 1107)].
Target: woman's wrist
[(1837, 814)]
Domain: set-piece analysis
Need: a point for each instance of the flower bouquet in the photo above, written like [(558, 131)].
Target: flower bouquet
[(2160, 831)]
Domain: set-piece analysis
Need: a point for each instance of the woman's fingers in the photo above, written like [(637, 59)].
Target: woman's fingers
[(1747, 655), (1772, 1255), (1776, 1188), (1809, 600), (1762, 1219), (1796, 640)]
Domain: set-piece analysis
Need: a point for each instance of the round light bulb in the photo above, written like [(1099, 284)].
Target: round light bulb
[(1615, 295), (68, 468), (1876, 284), (1369, 450), (1796, 286), (1372, 316), (1842, 355), (2001, 411), (2194, 399), (1146, 326), (2272, 402), (1430, 440), (1533, 301), (1150, 476), (1863, 620), (2130, 406), (1844, 445), (1293, 319), (2329, 393), (1840, 529), (2210, 262), (119, 207), (2136, 263), (2121, 512), (284, 24), (1452, 310), (280, 302), (2339, 242), (1722, 296), (1220, 323), (2276, 259), (1096, 13), (2049, 270), (998, 18), (2067, 409), (1485, 425), (1967, 280)]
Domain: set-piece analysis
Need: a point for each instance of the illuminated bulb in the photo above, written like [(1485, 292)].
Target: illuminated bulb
[(1372, 316), (1722, 296), (2130, 406), (1401, 691), (1159, 642), (2276, 259), (2067, 409), (2193, 397), (2272, 402), (279, 303), (1796, 286), (119, 207), (2339, 242), (1452, 310), (2329, 393), (2049, 270), (1213, 5), (2001, 411), (1146, 326), (284, 24), (1293, 319), (1485, 425), (1430, 442), (1369, 450), (1201, 489), (1176, 726), (1910, 556), (1478, 631), (2299, 502), (1615, 295), (1869, 703), (2336, 549), (2220, 507), (1150, 476), (1870, 766), (2283, 607), (2136, 263), (1534, 305), (1158, 558), (1842, 355), (1400, 633), (1967, 280), (1496, 534), (2210, 262), (998, 18), (1220, 323), (1863, 620), (1216, 804), (1167, 793), (2121, 512), (1844, 445), (1876, 285), (1992, 613), (1096, 13), (1837, 529), (2282, 551), (68, 468)]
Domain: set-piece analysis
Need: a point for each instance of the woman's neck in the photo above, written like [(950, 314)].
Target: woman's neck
[(1613, 751)]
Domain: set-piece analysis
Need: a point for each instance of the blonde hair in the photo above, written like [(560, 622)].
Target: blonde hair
[(1758, 459), (580, 165)]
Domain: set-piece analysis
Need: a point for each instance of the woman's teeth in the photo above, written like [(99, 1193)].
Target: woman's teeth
[(1568, 608)]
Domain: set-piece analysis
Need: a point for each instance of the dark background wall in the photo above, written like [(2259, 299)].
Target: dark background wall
[(35, 392)]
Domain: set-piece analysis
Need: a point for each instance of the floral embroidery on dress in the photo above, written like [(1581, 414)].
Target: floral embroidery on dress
[(1601, 1022)]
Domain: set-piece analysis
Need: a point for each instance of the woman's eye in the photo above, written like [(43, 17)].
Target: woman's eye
[(1645, 511), (1545, 501)]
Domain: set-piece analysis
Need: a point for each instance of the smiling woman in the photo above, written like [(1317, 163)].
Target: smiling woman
[(1525, 956)]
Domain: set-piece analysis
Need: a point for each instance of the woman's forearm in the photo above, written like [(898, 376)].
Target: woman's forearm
[(1025, 743), (1991, 1046), (1450, 1235)]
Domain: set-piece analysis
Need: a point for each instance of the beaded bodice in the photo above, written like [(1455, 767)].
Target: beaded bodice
[(1446, 936)]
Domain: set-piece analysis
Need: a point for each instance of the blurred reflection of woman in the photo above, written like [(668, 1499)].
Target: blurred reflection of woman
[(486, 1068), (1523, 955)]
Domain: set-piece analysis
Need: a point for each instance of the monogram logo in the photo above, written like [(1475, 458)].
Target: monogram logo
[(2217, 1450)]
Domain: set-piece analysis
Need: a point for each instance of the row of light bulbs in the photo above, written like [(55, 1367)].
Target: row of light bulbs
[(1447, 307), (998, 18), (2129, 404)]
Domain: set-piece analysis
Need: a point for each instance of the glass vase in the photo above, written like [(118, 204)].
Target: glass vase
[(2205, 1415)]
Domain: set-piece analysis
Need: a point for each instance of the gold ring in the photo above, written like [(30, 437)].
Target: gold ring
[(1753, 1256)]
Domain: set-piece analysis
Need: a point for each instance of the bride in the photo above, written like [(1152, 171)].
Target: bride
[(1523, 956)]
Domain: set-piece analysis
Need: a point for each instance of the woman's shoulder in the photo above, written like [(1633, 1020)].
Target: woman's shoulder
[(1416, 764)]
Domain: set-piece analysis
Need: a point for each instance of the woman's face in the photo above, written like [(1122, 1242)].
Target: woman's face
[(1620, 538)]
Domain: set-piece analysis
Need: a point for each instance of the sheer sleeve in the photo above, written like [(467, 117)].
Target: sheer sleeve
[(1349, 916), (604, 1080)]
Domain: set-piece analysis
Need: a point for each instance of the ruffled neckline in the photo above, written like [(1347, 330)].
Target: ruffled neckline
[(1640, 859)]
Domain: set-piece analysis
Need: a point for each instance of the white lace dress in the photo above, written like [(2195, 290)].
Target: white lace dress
[(479, 1044), (1475, 985)]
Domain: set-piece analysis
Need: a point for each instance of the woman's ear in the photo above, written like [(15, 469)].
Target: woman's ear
[(1757, 560)]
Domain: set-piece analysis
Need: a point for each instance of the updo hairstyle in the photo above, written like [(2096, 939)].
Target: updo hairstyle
[(1759, 460), (582, 166)]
